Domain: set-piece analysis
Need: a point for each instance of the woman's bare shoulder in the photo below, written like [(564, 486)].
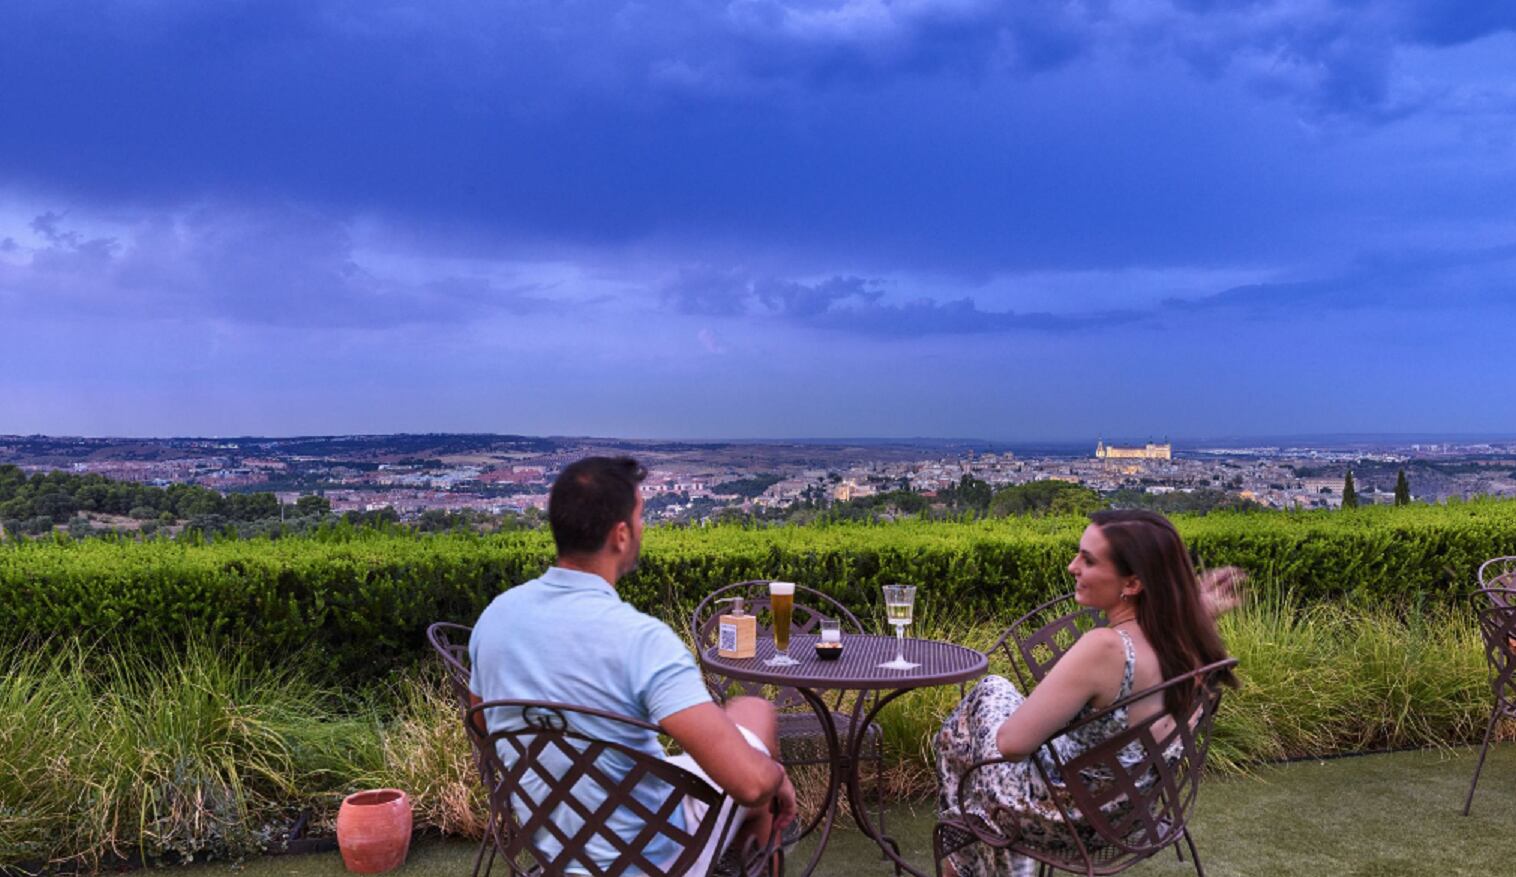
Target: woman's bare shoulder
[(1103, 644)]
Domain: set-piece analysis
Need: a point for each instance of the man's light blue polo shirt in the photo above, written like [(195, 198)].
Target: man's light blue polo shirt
[(568, 637)]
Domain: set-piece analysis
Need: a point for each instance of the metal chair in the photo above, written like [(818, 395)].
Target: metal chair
[(801, 739), (570, 766), (1035, 641), (1132, 812), (1498, 572), (450, 642), (1497, 627)]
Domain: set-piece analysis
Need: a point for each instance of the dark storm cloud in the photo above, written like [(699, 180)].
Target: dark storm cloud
[(566, 119), (272, 266), (1408, 281), (856, 306)]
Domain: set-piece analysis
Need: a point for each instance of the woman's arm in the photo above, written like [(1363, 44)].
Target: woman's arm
[(1091, 668)]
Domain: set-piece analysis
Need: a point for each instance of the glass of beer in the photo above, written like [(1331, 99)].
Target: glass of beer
[(782, 604), (899, 605)]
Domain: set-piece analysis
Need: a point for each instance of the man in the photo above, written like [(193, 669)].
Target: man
[(568, 637)]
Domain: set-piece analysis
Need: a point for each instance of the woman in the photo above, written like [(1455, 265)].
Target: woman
[(1160, 623)]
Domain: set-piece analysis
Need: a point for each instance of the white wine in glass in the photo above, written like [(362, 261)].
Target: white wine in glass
[(899, 603)]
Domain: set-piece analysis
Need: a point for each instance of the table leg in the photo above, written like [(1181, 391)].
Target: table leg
[(828, 814), (859, 733)]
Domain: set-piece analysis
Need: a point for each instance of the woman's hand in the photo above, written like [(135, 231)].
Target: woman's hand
[(1221, 589)]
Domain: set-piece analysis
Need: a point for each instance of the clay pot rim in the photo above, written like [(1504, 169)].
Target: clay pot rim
[(375, 798)]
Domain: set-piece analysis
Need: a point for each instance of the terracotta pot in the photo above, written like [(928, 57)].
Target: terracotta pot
[(374, 830)]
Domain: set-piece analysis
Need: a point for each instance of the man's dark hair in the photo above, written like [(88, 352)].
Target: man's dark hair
[(589, 498)]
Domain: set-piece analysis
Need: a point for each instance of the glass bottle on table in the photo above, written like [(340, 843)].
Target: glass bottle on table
[(899, 605)]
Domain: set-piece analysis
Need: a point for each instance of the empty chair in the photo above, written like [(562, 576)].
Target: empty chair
[(1497, 627)]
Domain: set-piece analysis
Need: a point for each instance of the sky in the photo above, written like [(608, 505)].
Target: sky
[(1016, 220)]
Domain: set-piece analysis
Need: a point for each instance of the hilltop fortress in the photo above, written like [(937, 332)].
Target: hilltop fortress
[(1149, 451)]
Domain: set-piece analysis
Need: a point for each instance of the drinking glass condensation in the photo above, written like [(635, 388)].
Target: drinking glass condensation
[(782, 604), (899, 602)]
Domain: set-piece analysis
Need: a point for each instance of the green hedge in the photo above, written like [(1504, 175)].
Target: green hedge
[(361, 601)]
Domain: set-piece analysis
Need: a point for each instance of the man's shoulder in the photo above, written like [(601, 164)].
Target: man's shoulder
[(637, 623)]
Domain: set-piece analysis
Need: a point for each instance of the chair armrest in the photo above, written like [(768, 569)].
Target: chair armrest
[(985, 833)]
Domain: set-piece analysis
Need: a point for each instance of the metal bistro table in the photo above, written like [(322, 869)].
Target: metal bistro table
[(857, 670)]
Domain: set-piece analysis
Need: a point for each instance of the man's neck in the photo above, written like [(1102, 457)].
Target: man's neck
[(604, 567)]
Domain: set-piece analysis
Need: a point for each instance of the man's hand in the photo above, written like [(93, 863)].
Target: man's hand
[(1221, 589), (786, 797)]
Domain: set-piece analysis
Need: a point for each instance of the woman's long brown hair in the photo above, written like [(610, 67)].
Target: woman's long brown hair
[(1170, 608)]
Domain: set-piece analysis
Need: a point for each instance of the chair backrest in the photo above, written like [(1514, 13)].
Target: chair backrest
[(1496, 609), (1498, 572), (577, 782), (1034, 642), (1139, 809), (450, 642), (811, 608)]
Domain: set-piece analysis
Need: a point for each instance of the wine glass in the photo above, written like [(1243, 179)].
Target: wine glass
[(899, 601)]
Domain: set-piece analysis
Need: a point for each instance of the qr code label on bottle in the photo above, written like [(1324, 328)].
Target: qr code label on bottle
[(728, 638)]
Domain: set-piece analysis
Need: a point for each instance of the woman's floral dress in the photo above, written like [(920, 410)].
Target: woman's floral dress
[(1011, 796)]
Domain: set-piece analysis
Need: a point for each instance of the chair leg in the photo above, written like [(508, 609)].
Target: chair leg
[(479, 856), (879, 787), (1194, 853), (1483, 751)]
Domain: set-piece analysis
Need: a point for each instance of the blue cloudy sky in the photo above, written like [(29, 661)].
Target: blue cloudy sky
[(721, 218)]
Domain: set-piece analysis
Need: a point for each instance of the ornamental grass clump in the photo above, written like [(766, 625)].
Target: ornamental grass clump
[(162, 755), (1325, 679), (421, 747)]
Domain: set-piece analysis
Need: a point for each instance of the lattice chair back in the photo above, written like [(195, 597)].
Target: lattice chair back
[(1036, 641), (811, 608), (1139, 808), (569, 785), (1497, 627)]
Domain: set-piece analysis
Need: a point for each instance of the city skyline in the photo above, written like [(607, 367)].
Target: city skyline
[(759, 219)]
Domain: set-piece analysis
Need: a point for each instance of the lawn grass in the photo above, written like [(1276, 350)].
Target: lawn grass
[(1391, 815)]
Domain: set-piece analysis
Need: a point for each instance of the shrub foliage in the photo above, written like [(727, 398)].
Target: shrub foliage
[(360, 601)]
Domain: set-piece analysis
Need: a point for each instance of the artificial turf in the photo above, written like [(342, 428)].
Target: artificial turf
[(1392, 815)]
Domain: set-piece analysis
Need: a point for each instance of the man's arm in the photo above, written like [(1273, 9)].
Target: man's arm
[(708, 736)]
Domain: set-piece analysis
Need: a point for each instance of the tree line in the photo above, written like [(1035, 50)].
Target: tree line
[(35, 504)]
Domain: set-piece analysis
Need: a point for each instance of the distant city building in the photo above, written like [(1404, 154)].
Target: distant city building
[(1149, 451)]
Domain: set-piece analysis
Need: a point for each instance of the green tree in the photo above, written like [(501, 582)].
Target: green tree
[(312, 505), (1402, 489), (56, 505), (1349, 494), (970, 493), (1046, 498)]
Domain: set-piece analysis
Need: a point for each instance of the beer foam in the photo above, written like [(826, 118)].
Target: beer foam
[(781, 588)]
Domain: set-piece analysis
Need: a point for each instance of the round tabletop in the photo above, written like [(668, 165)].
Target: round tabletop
[(858, 669)]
